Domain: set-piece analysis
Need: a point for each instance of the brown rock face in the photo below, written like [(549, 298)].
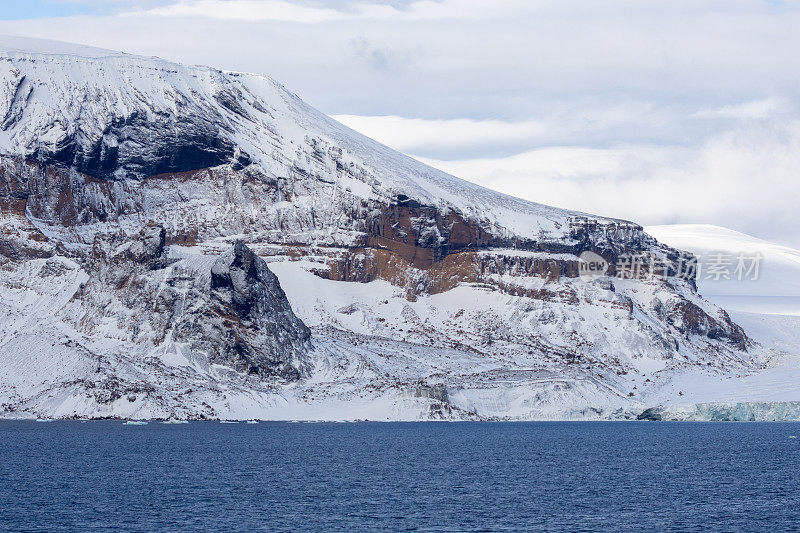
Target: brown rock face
[(424, 249), (422, 235), (368, 264), (691, 319)]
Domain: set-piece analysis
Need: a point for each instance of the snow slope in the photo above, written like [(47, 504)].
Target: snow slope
[(777, 289)]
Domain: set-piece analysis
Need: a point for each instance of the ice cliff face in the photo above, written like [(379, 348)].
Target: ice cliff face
[(140, 198)]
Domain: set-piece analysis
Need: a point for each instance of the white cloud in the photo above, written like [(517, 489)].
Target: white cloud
[(417, 135), (749, 110), (587, 123), (472, 58), (745, 179), (291, 11), (247, 10), (421, 10)]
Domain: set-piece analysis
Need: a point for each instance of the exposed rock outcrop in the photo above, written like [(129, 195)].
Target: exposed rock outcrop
[(252, 323), (234, 310)]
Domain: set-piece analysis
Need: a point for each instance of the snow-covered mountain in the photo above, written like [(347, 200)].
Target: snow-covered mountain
[(773, 289), (187, 242)]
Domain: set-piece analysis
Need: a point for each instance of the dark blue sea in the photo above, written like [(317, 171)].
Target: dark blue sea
[(637, 476)]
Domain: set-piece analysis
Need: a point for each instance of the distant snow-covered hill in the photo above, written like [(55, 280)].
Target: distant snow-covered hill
[(776, 288)]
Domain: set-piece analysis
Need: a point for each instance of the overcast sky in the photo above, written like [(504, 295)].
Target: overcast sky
[(674, 111)]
